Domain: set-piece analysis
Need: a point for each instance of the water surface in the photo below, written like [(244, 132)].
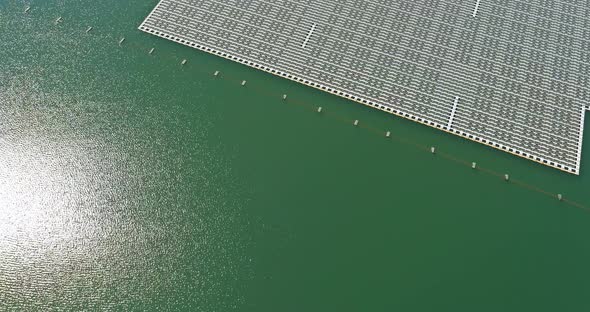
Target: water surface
[(130, 182)]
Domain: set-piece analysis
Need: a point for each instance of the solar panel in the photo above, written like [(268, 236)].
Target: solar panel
[(513, 75)]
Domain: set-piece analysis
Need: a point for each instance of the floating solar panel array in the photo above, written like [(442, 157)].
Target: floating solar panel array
[(514, 75)]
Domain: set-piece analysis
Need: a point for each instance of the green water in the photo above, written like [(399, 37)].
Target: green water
[(130, 182)]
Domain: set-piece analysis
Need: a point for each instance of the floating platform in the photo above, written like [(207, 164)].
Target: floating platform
[(511, 75)]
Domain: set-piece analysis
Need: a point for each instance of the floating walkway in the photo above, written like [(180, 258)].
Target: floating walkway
[(509, 75)]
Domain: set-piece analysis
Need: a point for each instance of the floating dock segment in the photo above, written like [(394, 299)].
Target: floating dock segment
[(477, 3), (453, 112)]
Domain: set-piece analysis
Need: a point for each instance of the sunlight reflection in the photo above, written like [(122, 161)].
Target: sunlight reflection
[(38, 197)]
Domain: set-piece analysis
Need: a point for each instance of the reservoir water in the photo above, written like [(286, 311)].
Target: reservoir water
[(131, 182)]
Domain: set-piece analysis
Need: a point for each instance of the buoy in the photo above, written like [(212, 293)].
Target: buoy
[(559, 197), (506, 177), (284, 97), (433, 150), (216, 73), (388, 134), (319, 109), (473, 165), (27, 9), (183, 62), (243, 82), (356, 122), (152, 50), (121, 41), (58, 20), (88, 29)]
